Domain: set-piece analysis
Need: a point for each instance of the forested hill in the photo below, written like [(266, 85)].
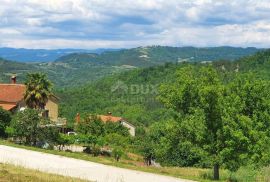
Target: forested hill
[(41, 55), (155, 55), (129, 94), (9, 67), (81, 68), (133, 94), (258, 63)]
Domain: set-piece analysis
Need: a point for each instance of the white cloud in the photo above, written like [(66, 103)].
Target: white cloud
[(124, 23)]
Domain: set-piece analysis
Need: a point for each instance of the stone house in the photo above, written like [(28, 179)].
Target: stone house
[(12, 99)]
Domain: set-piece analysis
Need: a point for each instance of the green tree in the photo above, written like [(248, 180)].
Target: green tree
[(64, 139), (115, 139), (221, 121), (91, 125), (117, 153), (147, 148), (118, 128), (198, 92), (31, 129), (25, 126), (5, 119), (247, 118), (38, 90), (47, 133)]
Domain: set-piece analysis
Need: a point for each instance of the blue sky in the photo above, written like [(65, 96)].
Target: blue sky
[(91, 24)]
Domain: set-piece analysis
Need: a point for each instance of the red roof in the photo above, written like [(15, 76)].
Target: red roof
[(109, 118), (7, 107), (12, 93)]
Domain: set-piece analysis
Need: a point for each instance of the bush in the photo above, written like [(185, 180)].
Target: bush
[(207, 175), (232, 178), (29, 128), (64, 139), (117, 153), (86, 139), (115, 139), (94, 150), (247, 173), (118, 128), (48, 134), (87, 150), (244, 174), (25, 126), (107, 153), (5, 119), (91, 125)]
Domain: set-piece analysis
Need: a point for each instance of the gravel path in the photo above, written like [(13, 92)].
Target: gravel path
[(77, 168)]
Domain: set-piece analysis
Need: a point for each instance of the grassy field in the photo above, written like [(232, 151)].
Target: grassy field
[(135, 162), (10, 173)]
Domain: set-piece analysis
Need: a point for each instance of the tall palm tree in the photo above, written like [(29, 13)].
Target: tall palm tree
[(38, 90)]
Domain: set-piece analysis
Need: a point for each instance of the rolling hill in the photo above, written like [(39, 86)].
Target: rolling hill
[(133, 94), (80, 68), (156, 55), (42, 55)]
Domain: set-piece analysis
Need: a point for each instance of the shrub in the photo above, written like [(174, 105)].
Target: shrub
[(5, 119), (25, 126), (244, 174), (207, 175), (107, 153), (86, 139), (91, 125), (64, 139), (87, 150), (117, 153), (247, 173), (29, 128), (93, 149), (115, 139)]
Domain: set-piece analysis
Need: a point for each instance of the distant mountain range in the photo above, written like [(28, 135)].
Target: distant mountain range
[(42, 55), (155, 55), (79, 68)]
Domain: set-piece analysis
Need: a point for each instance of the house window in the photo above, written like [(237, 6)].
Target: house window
[(45, 114)]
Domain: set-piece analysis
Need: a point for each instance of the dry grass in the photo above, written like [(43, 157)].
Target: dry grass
[(11, 173), (264, 175)]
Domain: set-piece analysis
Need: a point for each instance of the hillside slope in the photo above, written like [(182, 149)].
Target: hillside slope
[(155, 55), (42, 55), (133, 94), (80, 68)]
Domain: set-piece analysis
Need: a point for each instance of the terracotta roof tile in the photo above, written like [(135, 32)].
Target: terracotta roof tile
[(7, 107), (11, 93), (108, 118)]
